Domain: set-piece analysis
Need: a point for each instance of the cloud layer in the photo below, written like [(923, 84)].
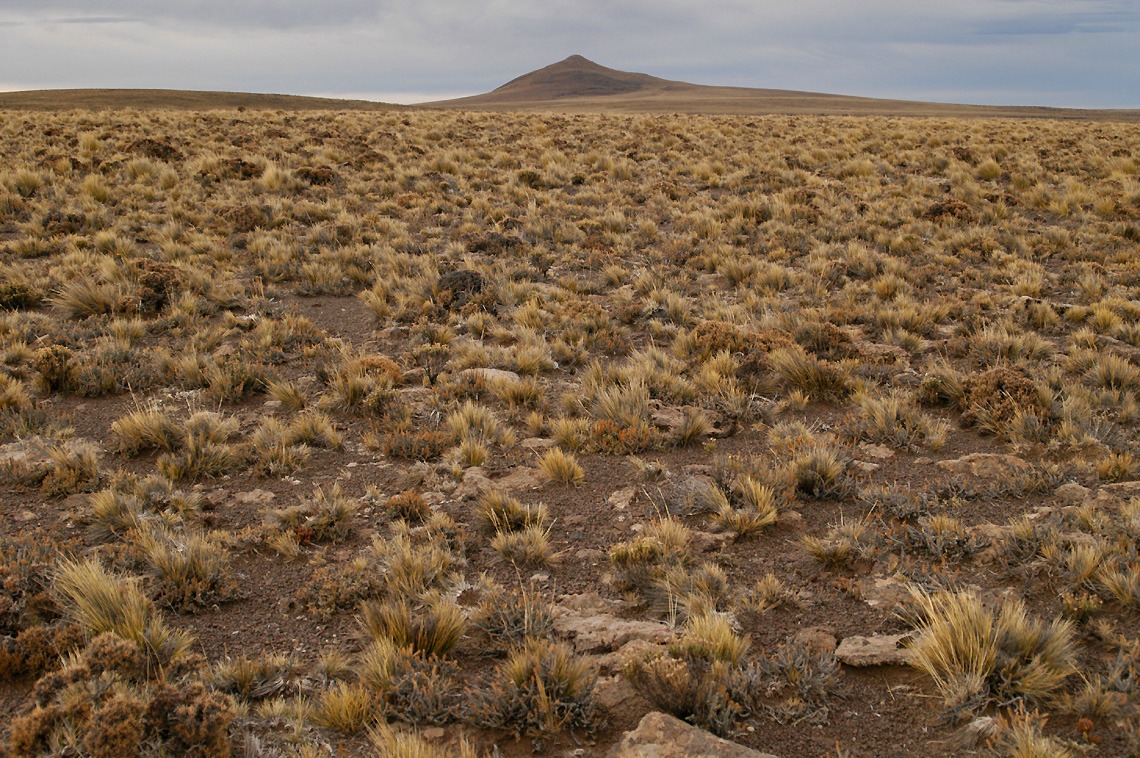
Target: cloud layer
[(1083, 53)]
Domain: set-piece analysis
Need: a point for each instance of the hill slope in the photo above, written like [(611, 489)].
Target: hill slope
[(97, 99), (578, 85)]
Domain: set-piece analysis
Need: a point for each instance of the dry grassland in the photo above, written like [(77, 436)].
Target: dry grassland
[(439, 433)]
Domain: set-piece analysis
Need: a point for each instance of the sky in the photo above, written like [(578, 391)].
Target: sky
[(1069, 53)]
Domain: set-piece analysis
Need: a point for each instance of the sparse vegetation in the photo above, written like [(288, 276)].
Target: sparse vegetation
[(393, 411)]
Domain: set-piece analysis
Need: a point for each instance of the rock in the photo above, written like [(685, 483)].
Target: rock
[(660, 735), (1072, 493), (76, 503), (878, 452), (820, 640), (1123, 490), (621, 499), (537, 444), (865, 466), (474, 483), (669, 419), (255, 497), (880, 650), (791, 520), (883, 592), (590, 555), (698, 469), (587, 603), (603, 633), (433, 733), (710, 542), (489, 374), (634, 650), (985, 465), (520, 478), (613, 691)]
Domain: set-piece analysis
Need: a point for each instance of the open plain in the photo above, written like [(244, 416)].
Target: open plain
[(433, 431)]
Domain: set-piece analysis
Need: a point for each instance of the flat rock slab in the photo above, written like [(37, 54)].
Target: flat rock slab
[(660, 735), (603, 633), (1123, 490), (880, 650), (985, 465)]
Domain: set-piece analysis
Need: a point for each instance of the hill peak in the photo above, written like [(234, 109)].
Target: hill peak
[(576, 76)]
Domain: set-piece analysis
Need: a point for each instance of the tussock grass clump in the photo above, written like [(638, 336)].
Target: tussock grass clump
[(561, 467), (821, 380), (503, 513), (507, 618), (409, 686), (540, 689), (205, 450), (978, 654), (346, 707), (414, 565), (641, 563), (409, 505), (819, 471), (326, 516), (393, 743), (192, 571), (895, 420), (101, 602), (432, 629), (146, 429)]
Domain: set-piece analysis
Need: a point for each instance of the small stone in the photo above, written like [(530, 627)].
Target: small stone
[(255, 497), (272, 405), (711, 542), (589, 555), (791, 519), (1072, 493), (25, 516), (865, 466), (820, 640), (878, 452), (879, 650), (621, 499), (433, 733), (537, 444)]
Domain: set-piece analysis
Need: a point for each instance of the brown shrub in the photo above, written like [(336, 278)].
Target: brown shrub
[(998, 395)]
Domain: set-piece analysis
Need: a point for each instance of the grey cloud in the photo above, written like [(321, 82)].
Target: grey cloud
[(274, 14), (1043, 51)]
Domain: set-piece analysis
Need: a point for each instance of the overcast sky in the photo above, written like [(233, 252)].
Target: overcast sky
[(1081, 53)]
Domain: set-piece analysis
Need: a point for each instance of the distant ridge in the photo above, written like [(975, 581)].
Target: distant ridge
[(99, 99), (573, 85), (579, 85)]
